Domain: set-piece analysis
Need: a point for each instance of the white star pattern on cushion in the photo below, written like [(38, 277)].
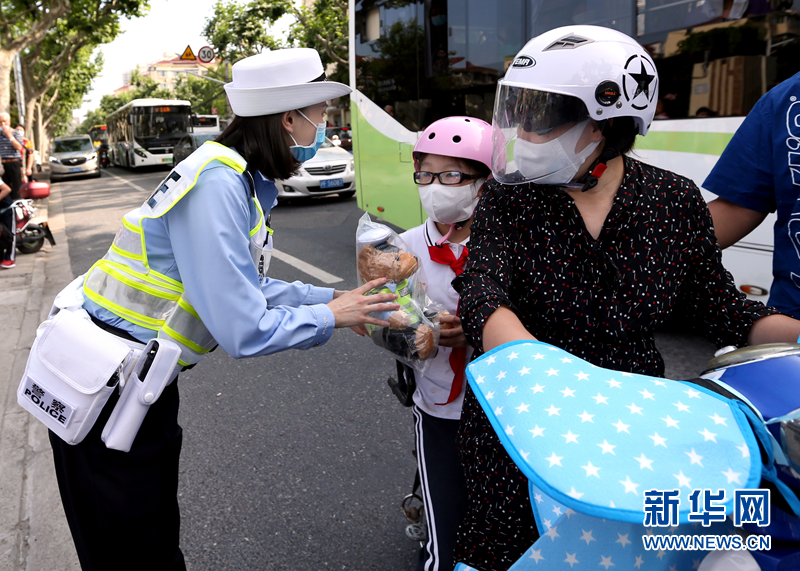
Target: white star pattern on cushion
[(592, 542), (643, 433)]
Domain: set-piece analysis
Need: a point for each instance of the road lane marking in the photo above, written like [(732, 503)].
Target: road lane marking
[(307, 268), (129, 183)]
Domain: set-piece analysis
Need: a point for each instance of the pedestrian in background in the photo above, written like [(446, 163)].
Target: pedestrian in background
[(26, 154), (7, 236), (10, 146)]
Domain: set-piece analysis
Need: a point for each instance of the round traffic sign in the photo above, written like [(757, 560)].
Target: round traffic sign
[(206, 54)]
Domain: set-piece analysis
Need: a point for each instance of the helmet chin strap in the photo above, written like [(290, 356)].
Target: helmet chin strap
[(599, 166)]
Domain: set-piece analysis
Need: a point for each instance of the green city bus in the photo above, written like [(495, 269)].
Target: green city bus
[(415, 61)]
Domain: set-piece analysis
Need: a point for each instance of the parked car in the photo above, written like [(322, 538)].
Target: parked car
[(331, 171), (341, 136), (73, 156), (189, 144)]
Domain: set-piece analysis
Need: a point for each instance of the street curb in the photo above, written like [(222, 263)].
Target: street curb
[(33, 534)]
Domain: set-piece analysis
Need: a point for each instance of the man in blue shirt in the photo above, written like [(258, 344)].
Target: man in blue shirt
[(759, 173), (10, 146)]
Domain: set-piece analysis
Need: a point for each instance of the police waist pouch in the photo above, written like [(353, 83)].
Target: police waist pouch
[(72, 369)]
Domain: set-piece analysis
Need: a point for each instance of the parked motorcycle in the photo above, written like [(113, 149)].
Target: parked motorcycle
[(30, 235), (628, 450)]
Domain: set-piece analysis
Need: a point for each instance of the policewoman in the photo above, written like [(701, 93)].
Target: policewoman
[(190, 266)]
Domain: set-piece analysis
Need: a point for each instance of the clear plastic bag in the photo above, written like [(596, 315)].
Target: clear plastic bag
[(413, 332)]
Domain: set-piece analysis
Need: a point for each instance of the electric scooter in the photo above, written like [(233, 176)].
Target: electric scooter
[(646, 473)]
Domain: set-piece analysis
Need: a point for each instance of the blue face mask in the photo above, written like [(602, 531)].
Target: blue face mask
[(302, 153)]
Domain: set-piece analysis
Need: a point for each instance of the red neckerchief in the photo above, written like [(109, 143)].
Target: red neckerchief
[(458, 355)]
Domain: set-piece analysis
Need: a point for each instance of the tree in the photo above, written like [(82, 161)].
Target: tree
[(324, 28), (204, 94), (54, 108), (142, 88), (88, 23), (237, 31), (23, 24)]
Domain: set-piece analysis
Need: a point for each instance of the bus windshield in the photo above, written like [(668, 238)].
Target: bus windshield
[(155, 126), (205, 121), (99, 135)]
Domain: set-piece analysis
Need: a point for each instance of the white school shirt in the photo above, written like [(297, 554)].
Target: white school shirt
[(434, 386)]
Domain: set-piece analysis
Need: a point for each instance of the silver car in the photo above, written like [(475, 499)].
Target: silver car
[(73, 156), (331, 171)]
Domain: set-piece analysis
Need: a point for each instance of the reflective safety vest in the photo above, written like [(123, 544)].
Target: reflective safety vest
[(123, 282)]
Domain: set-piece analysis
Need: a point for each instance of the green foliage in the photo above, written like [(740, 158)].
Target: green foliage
[(203, 94), (68, 93), (55, 39), (240, 30), (142, 88), (324, 28), (237, 31)]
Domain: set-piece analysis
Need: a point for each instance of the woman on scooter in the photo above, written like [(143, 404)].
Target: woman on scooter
[(576, 244)]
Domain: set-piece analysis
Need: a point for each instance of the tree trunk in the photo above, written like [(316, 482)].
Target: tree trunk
[(30, 109), (41, 136), (6, 67)]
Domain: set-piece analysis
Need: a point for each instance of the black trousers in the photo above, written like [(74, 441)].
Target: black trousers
[(13, 177), (122, 507), (443, 489), (8, 237)]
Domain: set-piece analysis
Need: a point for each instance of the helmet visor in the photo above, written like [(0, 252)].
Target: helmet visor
[(520, 112)]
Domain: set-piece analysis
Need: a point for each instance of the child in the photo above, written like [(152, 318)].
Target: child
[(452, 160)]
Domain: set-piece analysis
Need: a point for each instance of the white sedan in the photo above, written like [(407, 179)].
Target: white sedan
[(331, 171)]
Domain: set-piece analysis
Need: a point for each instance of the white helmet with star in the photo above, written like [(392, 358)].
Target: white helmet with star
[(568, 75)]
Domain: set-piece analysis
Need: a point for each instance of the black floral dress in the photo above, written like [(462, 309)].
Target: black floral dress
[(598, 299)]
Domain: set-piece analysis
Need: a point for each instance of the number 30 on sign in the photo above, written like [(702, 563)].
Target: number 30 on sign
[(206, 54)]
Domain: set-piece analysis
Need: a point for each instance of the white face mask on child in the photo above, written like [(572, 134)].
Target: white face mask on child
[(448, 204)]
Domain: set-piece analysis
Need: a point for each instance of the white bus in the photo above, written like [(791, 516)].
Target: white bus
[(415, 61), (144, 131), (205, 123)]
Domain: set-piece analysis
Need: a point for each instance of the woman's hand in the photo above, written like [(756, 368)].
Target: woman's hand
[(352, 308), (453, 337)]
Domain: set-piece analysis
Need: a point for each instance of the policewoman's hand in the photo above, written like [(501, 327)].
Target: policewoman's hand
[(353, 308)]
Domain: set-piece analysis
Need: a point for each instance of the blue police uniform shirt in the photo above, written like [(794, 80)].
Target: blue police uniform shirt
[(203, 242), (760, 170)]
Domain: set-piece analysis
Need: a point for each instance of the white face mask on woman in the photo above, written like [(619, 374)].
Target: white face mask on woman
[(448, 204), (553, 162)]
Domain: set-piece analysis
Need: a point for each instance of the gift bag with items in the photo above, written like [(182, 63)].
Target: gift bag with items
[(413, 332)]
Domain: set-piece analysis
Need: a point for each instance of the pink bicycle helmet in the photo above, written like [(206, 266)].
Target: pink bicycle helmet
[(461, 137)]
